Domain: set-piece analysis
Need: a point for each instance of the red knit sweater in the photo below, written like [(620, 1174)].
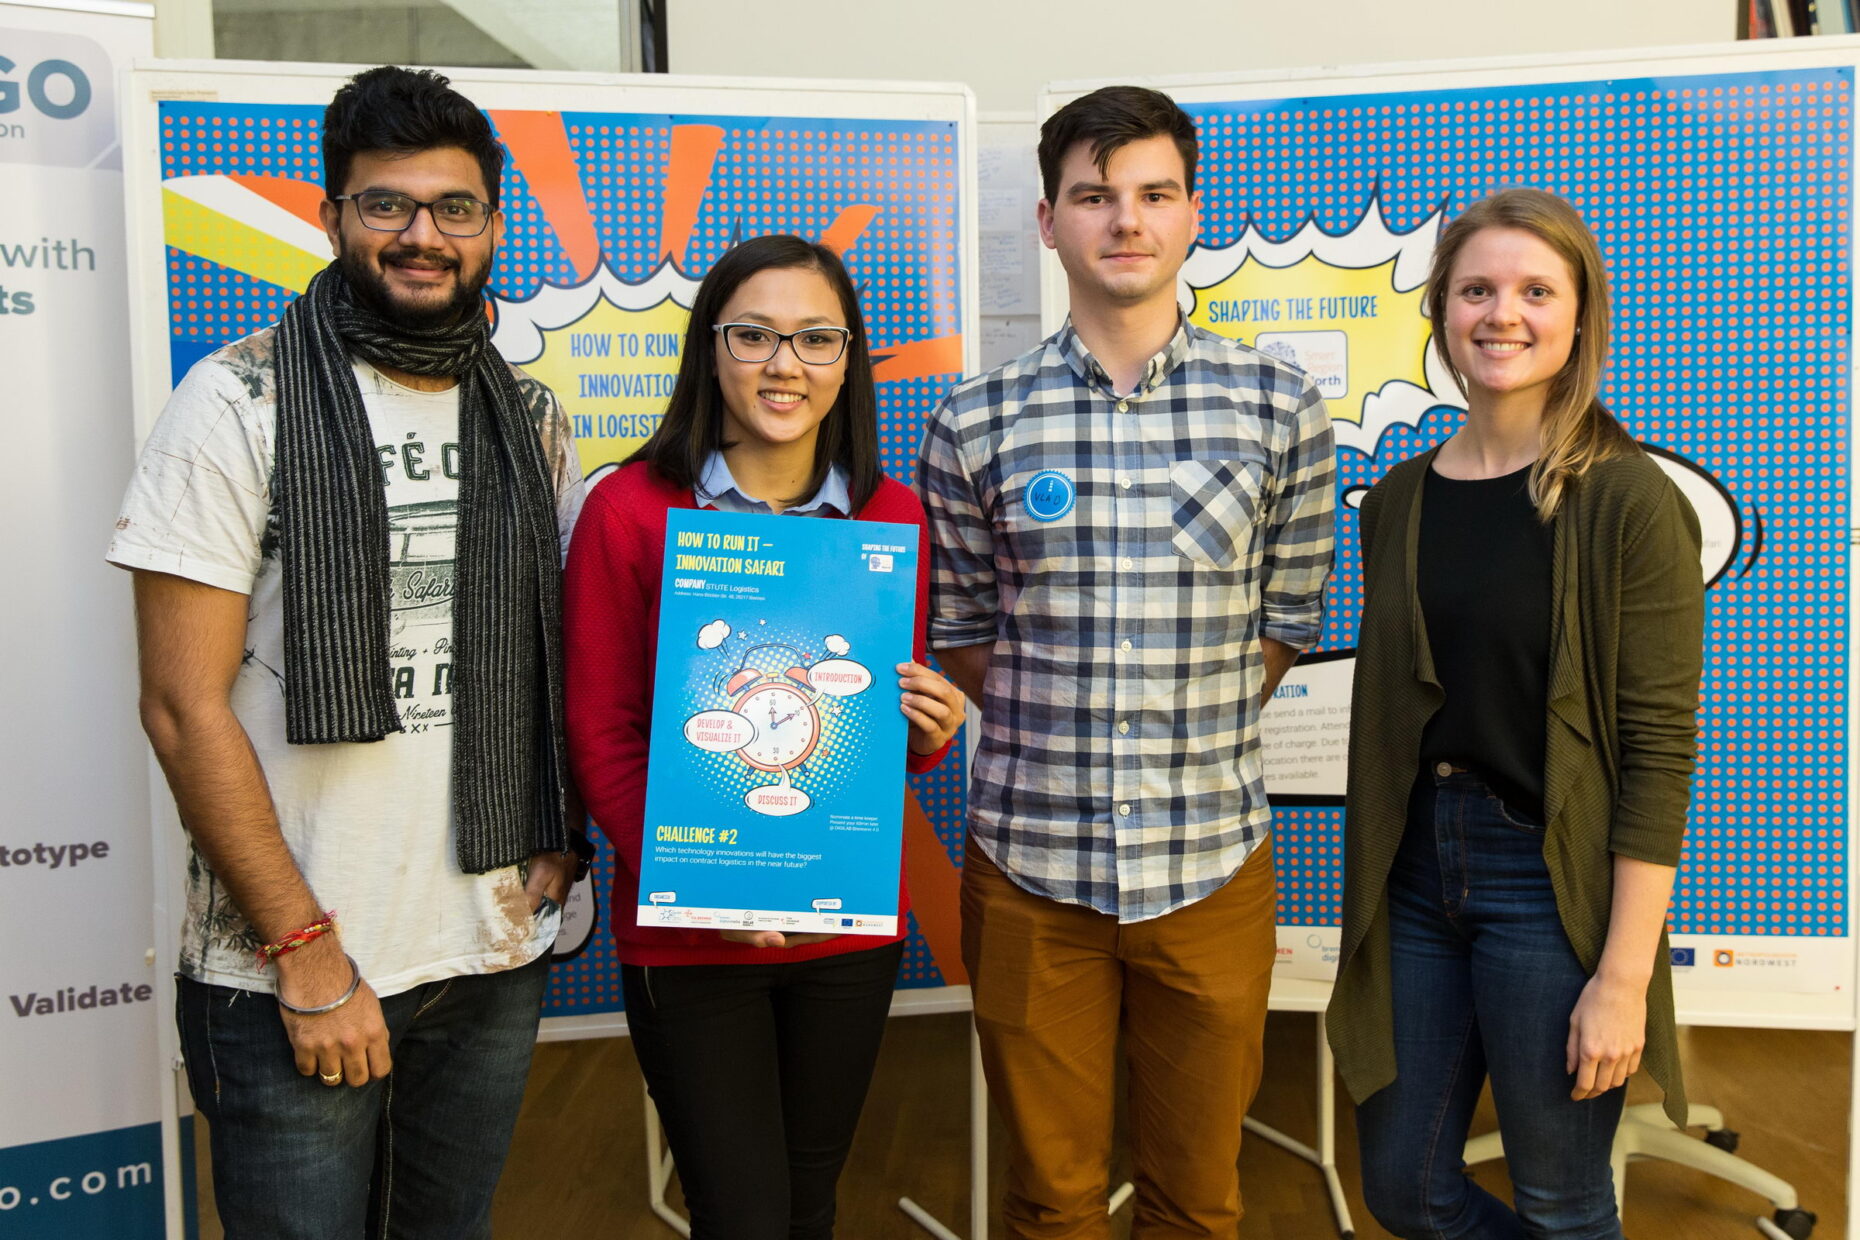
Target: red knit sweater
[(610, 623)]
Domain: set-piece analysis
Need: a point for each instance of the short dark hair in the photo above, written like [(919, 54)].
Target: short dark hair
[(1108, 118), (692, 427), (404, 111)]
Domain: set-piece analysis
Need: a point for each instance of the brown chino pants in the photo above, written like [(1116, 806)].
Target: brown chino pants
[(1056, 984)]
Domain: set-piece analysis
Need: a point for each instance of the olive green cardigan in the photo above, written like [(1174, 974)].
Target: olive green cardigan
[(1626, 639)]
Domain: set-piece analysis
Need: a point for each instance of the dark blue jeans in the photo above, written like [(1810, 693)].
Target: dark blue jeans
[(414, 1154), (1484, 982)]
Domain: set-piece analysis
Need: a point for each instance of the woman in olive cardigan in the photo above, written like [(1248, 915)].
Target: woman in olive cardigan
[(1522, 744)]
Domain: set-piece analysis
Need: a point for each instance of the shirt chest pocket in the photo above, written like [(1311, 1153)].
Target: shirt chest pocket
[(1217, 507)]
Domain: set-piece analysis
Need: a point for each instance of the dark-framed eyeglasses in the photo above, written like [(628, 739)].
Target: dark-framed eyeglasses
[(753, 342), (386, 211)]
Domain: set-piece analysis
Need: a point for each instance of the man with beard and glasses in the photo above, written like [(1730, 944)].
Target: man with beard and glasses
[(347, 532)]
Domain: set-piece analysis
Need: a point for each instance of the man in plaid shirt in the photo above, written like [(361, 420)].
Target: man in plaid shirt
[(1132, 531)]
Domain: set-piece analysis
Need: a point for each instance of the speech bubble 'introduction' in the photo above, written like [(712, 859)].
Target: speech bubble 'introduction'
[(839, 677)]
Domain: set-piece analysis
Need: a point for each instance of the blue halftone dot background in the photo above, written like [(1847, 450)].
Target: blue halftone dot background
[(1721, 206), (771, 175)]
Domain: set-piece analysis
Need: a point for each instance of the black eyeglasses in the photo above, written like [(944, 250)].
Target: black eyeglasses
[(752, 342), (386, 211)]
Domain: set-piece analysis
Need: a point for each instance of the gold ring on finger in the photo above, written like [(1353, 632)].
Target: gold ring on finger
[(330, 1078)]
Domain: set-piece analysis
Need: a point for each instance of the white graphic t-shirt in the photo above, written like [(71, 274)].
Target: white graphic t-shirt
[(370, 825)]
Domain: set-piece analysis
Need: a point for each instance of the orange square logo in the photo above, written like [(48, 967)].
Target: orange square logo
[(1723, 959)]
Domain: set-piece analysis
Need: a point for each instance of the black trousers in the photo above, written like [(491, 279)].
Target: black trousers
[(759, 1072)]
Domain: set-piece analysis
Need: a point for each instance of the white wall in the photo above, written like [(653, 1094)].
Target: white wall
[(1007, 49)]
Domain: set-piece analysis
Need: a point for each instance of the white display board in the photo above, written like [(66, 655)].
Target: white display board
[(1719, 182), (619, 192)]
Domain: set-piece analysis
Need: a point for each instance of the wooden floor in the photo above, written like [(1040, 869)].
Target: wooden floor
[(577, 1166)]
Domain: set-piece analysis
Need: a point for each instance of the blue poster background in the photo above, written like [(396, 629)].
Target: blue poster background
[(1723, 208), (603, 206)]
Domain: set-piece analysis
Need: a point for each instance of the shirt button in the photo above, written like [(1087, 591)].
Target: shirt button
[(1126, 644), (1123, 406), (1443, 769), (1124, 482), (1123, 725), (1127, 562), (1124, 810)]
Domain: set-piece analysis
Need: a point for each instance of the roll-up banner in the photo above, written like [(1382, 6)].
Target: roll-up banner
[(80, 1137), (1720, 184)]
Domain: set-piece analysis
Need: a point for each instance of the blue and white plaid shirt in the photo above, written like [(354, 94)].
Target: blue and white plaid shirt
[(1126, 555)]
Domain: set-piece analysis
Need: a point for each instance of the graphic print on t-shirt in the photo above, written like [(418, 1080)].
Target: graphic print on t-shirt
[(423, 540)]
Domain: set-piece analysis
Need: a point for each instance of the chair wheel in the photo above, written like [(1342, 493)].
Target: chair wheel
[(1724, 1138), (1798, 1223)]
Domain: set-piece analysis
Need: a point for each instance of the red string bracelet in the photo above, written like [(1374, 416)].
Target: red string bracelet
[(297, 938)]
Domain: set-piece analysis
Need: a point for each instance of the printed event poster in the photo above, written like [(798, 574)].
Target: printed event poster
[(617, 199), (775, 783), (1723, 204)]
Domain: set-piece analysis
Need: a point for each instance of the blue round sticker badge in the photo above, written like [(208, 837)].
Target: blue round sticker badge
[(1049, 495)]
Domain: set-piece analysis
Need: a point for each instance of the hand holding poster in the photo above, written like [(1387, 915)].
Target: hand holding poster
[(775, 781)]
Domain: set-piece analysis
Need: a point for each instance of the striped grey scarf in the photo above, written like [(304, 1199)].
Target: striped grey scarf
[(509, 770)]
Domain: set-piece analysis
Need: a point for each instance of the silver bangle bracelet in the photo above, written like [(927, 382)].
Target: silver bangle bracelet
[(355, 984)]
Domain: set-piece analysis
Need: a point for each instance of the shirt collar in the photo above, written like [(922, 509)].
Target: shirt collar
[(718, 488), (1086, 367)]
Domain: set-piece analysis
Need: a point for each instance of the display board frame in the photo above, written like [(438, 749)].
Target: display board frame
[(150, 84), (1834, 1008)]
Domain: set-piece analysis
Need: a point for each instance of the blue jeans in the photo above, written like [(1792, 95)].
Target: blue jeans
[(1484, 981), (414, 1154)]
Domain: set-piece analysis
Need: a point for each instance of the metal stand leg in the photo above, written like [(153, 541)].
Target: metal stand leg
[(978, 1161), (978, 1156), (1324, 1157), (659, 1170)]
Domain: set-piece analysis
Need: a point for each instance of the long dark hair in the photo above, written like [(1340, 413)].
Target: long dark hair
[(692, 428)]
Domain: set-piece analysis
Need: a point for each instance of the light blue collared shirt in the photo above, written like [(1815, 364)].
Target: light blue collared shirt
[(718, 489)]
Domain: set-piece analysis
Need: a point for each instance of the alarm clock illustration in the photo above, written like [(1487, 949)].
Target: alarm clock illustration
[(782, 708), (778, 708)]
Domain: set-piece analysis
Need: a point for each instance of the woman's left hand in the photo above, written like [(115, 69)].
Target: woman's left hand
[(1607, 1032), (933, 705)]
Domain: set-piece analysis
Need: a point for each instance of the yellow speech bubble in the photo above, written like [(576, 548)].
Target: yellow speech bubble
[(1344, 307), (1349, 328), (613, 370)]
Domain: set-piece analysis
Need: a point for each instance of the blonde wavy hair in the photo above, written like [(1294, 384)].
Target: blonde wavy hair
[(1578, 432)]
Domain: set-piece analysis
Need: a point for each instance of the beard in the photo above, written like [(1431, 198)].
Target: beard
[(371, 288)]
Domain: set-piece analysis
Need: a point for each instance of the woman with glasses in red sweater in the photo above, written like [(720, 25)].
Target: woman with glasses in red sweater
[(757, 1046)]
